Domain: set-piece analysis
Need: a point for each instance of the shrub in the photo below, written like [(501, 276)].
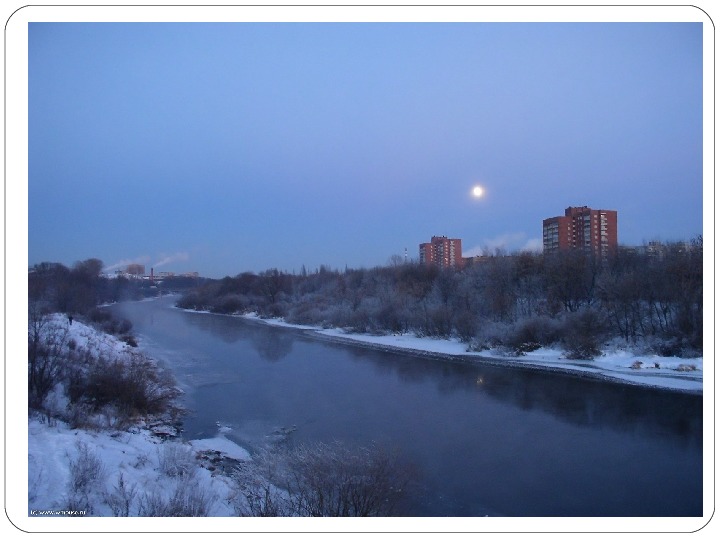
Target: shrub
[(124, 327), (176, 459), (86, 472), (100, 316), (466, 325), (188, 499), (191, 300), (48, 353), (229, 304), (489, 335), (257, 493), (324, 480), (584, 333), (121, 497), (130, 340), (530, 334), (134, 386)]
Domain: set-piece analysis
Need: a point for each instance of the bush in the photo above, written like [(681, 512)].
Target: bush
[(229, 304), (584, 333), (306, 312), (85, 470), (489, 335), (134, 386), (176, 459), (466, 325), (130, 340), (324, 480), (191, 300), (530, 334), (99, 316), (188, 499), (48, 352), (257, 492), (121, 497), (86, 473)]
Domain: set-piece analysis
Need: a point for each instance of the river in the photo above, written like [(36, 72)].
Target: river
[(485, 440)]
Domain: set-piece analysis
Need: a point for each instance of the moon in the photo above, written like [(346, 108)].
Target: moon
[(478, 192)]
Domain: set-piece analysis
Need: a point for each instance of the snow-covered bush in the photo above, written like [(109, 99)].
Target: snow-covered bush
[(86, 469), (133, 385), (120, 499), (531, 333), (176, 459), (87, 473), (489, 335), (466, 325), (583, 334), (90, 379), (188, 498), (48, 354), (323, 480), (256, 483)]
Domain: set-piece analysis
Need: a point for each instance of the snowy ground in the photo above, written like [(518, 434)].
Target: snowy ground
[(680, 374), (147, 460), (141, 455), (138, 455)]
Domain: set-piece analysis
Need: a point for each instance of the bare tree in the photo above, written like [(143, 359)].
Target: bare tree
[(47, 355)]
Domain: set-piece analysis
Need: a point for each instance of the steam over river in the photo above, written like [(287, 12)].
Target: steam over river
[(485, 440)]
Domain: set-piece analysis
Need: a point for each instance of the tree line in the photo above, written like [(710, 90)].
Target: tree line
[(651, 299), (79, 289)]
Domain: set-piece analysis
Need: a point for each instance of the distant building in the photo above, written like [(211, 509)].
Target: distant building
[(657, 249), (581, 227), (442, 251), (475, 259), (135, 270)]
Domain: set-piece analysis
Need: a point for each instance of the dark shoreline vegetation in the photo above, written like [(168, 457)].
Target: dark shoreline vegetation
[(518, 302)]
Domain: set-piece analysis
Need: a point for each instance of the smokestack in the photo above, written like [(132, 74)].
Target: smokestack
[(152, 276)]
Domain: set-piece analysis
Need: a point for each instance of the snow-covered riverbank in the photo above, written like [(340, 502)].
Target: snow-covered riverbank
[(671, 373), (107, 471), (140, 456), (134, 468)]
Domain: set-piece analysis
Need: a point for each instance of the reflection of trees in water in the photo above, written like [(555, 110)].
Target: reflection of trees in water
[(588, 402), (580, 401), (272, 344), (229, 330)]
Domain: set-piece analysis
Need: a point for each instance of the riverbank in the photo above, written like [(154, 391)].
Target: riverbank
[(104, 469), (615, 365)]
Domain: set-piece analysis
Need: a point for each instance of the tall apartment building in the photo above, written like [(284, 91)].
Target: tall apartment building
[(442, 251), (581, 227)]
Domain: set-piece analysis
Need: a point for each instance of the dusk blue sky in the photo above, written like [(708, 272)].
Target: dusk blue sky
[(223, 148)]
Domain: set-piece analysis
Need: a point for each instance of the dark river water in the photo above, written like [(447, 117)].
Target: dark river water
[(485, 440)]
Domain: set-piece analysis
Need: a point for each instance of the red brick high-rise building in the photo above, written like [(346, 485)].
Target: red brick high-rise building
[(581, 227), (442, 251)]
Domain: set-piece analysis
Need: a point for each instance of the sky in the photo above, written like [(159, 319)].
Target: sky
[(230, 147)]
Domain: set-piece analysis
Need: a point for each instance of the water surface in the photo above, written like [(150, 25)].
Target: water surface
[(485, 440)]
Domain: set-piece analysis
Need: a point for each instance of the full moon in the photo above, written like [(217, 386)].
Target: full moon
[(478, 191)]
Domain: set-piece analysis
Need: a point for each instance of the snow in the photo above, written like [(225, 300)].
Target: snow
[(222, 445), (137, 453), (615, 364), (86, 337)]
